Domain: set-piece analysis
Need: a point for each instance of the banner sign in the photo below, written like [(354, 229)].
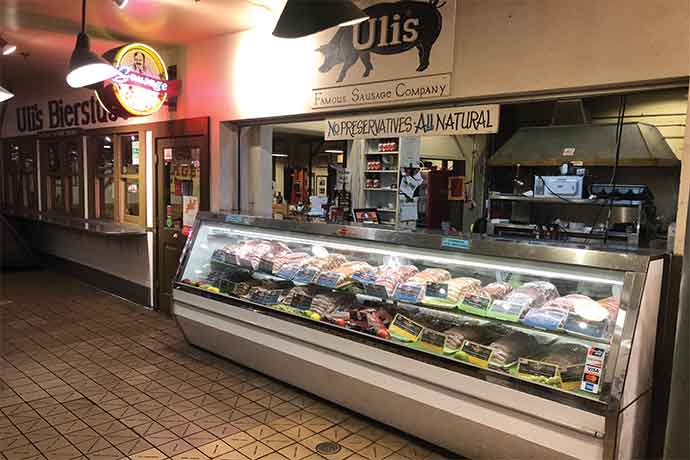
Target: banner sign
[(401, 40), (481, 119), (376, 93)]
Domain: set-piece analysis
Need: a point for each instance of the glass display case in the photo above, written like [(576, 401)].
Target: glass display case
[(493, 312)]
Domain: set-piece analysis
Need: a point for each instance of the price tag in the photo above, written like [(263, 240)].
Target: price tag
[(432, 341), (305, 275), (329, 279), (408, 293), (437, 290), (263, 297), (288, 271), (594, 366), (404, 328), (539, 369), (475, 304), (266, 266), (376, 290), (477, 354), (301, 301)]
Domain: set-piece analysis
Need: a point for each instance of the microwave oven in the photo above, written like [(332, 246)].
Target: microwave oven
[(559, 186)]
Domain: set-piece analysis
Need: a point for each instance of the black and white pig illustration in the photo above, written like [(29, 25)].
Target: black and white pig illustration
[(392, 28)]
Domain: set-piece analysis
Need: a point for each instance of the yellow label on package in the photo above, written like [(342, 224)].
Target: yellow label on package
[(477, 354), (405, 328), (432, 341)]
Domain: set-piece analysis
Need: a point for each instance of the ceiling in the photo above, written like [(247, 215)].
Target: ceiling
[(46, 29)]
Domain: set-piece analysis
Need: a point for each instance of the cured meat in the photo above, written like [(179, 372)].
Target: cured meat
[(287, 258), (458, 287), (509, 348), (496, 291), (350, 268), (326, 263), (430, 275), (390, 277), (250, 252)]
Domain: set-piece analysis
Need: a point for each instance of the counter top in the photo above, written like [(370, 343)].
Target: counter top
[(564, 201), (99, 227)]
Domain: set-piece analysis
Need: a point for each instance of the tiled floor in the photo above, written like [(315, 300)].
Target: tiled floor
[(85, 375)]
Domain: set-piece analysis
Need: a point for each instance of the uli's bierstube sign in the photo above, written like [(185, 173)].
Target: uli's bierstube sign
[(481, 119), (401, 40)]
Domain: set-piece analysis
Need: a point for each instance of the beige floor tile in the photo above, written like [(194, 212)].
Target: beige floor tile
[(414, 452), (224, 430), (375, 452), (261, 431), (92, 445), (134, 446), (215, 449), (355, 442), (58, 442), (238, 440), (298, 433), (342, 454), (274, 456), (246, 423), (295, 452), (373, 433), (277, 441), (13, 442), (71, 427), (318, 424), (110, 453), (233, 455), (66, 453), (393, 442), (175, 447), (162, 437), (201, 438), (336, 433), (151, 454), (193, 454), (24, 452), (255, 450)]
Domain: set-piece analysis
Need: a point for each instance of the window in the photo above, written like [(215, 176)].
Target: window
[(104, 178), (20, 176), (63, 176), (130, 181)]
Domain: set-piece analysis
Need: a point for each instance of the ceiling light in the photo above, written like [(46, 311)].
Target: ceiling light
[(280, 155), (333, 151), (5, 94), (306, 17), (121, 3), (85, 67)]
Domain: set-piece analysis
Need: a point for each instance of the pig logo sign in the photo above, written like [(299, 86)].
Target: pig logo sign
[(393, 28)]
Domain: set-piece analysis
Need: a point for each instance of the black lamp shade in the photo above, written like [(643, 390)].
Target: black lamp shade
[(85, 67), (305, 17)]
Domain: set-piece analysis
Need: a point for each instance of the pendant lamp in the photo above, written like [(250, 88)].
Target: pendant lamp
[(5, 94), (85, 67), (305, 17)]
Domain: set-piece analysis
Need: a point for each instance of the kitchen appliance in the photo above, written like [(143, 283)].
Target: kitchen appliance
[(559, 186)]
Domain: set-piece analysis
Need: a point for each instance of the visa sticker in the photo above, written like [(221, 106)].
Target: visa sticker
[(455, 243)]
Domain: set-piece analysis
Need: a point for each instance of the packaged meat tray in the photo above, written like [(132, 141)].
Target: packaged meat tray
[(342, 275), (561, 364), (390, 276), (509, 348), (447, 294), (413, 290), (496, 291), (249, 253), (587, 317), (551, 316), (519, 301), (287, 258), (476, 348)]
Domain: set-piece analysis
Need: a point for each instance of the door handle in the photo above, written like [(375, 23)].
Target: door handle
[(175, 235)]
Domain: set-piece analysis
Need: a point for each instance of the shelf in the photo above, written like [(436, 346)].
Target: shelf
[(564, 201), (576, 234), (387, 210), (450, 313), (381, 189), (394, 152), (392, 171)]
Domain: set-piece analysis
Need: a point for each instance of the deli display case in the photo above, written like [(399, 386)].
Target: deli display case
[(489, 348)]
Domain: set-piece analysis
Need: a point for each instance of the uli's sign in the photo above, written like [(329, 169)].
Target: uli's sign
[(481, 119), (401, 40)]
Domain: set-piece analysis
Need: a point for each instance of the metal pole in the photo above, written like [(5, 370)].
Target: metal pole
[(677, 443)]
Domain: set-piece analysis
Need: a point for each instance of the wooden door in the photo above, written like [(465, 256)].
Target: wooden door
[(183, 177)]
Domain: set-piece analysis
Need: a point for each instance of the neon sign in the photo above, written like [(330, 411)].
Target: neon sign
[(141, 87)]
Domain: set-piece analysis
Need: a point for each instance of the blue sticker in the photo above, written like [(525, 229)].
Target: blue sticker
[(455, 243), (233, 219), (589, 386), (329, 280)]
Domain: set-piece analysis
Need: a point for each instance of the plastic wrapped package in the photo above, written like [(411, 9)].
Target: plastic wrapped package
[(507, 349), (588, 317), (496, 291), (389, 277)]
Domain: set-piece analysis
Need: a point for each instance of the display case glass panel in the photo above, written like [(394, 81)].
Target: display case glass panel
[(547, 324)]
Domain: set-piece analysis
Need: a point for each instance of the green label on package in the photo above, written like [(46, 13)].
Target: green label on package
[(476, 302)]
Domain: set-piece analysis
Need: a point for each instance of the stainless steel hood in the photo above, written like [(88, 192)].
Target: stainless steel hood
[(594, 144)]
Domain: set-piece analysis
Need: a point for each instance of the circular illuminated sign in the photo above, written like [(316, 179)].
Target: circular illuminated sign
[(141, 87)]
